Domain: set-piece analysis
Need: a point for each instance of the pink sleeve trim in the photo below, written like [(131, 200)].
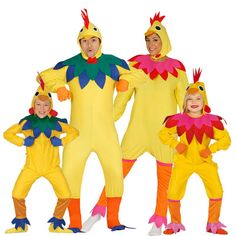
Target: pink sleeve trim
[(164, 164)]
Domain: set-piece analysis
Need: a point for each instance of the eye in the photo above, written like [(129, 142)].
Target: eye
[(95, 29), (158, 28), (49, 94), (201, 88), (187, 88), (81, 30), (36, 94)]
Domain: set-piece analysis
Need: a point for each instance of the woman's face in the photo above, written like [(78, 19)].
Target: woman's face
[(90, 46), (153, 44)]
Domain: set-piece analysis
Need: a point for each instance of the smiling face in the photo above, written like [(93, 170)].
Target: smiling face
[(90, 46), (194, 104), (42, 106), (153, 44)]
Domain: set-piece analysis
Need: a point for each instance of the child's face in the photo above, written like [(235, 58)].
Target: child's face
[(195, 104), (153, 44), (90, 46), (42, 108)]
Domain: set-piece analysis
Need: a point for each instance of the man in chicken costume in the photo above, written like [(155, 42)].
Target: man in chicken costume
[(195, 128), (91, 79), (166, 82)]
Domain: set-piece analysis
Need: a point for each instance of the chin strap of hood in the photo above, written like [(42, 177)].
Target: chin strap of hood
[(157, 28), (42, 93), (199, 87), (89, 30)]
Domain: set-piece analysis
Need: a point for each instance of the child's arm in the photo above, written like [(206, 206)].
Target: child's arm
[(11, 134), (71, 134), (169, 136), (222, 142)]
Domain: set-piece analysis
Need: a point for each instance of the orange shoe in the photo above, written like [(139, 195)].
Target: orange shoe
[(216, 228), (219, 231), (169, 231)]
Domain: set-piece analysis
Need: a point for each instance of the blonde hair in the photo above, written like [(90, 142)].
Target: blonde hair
[(185, 110)]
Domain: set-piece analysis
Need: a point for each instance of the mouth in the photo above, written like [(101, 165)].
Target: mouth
[(194, 106)]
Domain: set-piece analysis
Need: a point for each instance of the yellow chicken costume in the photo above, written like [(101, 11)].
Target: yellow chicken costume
[(42, 138), (166, 82), (196, 133), (91, 82)]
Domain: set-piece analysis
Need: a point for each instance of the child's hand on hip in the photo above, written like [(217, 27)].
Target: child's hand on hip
[(205, 153)]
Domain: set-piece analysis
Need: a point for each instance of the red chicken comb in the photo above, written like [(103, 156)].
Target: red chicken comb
[(41, 81), (156, 17), (196, 74), (84, 14)]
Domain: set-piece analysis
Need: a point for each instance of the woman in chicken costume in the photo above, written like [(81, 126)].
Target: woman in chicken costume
[(42, 131), (166, 82), (91, 78), (195, 128)]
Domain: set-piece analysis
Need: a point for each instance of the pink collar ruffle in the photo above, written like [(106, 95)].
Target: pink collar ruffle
[(155, 68), (192, 126)]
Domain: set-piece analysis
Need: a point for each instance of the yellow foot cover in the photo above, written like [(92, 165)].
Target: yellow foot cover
[(18, 230), (59, 230)]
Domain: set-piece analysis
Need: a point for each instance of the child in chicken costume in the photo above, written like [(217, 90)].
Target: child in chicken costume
[(91, 81), (42, 131), (166, 82), (195, 128)]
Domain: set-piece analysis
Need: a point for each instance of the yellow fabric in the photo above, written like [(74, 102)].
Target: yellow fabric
[(42, 160), (191, 162), (153, 101), (92, 114), (166, 44)]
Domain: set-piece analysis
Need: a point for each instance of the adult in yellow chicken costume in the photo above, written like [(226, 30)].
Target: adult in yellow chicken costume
[(194, 155), (166, 82), (91, 79), (42, 131)]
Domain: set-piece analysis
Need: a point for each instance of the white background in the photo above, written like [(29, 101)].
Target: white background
[(35, 35)]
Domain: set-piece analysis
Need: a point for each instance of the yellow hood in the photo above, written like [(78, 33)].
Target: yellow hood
[(157, 28), (89, 30), (199, 87), (42, 91)]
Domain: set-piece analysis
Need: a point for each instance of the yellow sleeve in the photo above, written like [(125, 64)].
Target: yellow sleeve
[(71, 133), (11, 134), (121, 101), (181, 89), (169, 136), (134, 76), (222, 142), (54, 79)]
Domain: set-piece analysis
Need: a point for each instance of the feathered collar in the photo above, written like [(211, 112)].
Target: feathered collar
[(195, 126), (42, 125), (97, 70), (155, 68)]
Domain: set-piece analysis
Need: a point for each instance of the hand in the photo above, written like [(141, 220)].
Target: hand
[(181, 148), (205, 153), (63, 94), (122, 85), (29, 141), (56, 141)]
